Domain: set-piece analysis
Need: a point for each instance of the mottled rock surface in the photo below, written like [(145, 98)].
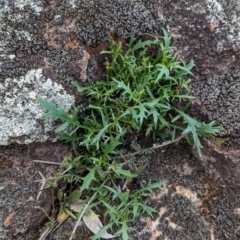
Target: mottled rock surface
[(53, 34), (45, 44), (21, 212), (219, 98), (21, 118)]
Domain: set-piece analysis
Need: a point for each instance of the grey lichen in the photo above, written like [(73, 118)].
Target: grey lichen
[(34, 5), (226, 12), (21, 117), (223, 212), (20, 49), (36, 34), (124, 17), (219, 96)]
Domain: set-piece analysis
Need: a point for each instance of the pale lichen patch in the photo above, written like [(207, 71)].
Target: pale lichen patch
[(227, 13), (21, 117), (35, 5)]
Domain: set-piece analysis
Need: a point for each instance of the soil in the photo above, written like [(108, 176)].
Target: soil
[(195, 203)]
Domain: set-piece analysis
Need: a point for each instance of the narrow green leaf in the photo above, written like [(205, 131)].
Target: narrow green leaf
[(163, 73), (88, 179), (121, 172), (111, 147), (82, 88), (155, 114), (166, 39), (99, 135), (154, 185), (141, 44), (149, 129), (176, 118), (57, 113), (132, 39), (135, 209), (124, 231), (122, 85), (142, 111), (62, 127), (102, 232), (150, 93)]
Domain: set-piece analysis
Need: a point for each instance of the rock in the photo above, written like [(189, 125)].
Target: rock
[(202, 31), (44, 45), (21, 118), (223, 165), (219, 100), (20, 182), (52, 36)]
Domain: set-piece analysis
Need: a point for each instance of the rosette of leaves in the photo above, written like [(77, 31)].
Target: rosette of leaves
[(146, 89)]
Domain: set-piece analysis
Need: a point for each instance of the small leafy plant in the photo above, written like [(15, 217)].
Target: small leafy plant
[(146, 90)]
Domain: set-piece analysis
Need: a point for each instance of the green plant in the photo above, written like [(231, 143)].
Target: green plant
[(146, 90)]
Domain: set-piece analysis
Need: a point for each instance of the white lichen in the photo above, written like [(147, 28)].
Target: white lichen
[(228, 13), (21, 117), (34, 4)]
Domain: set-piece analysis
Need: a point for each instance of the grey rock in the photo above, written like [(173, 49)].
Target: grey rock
[(44, 45), (219, 99), (37, 35), (223, 165), (226, 14), (21, 117)]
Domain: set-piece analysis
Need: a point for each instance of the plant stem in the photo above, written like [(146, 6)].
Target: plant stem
[(158, 145), (47, 162)]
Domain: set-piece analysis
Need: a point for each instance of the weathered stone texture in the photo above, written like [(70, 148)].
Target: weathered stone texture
[(201, 32), (19, 206), (223, 165), (21, 117), (45, 44), (40, 35), (44, 34), (219, 100)]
